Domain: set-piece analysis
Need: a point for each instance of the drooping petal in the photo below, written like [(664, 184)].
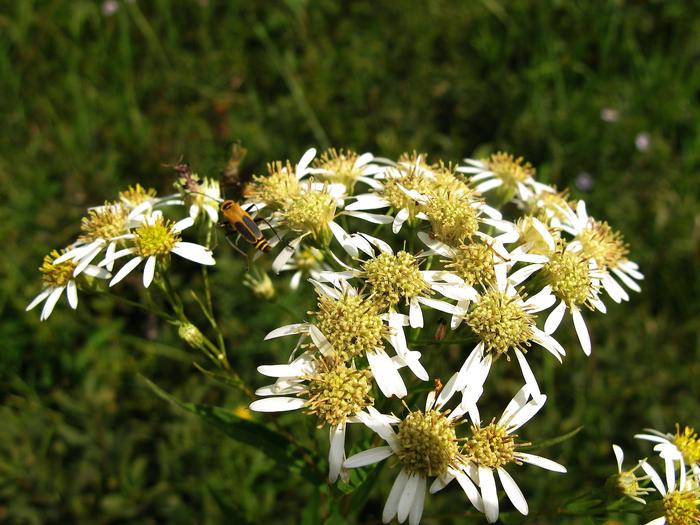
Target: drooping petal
[(51, 301), (400, 218), (39, 298), (391, 506), (489, 494), (581, 331), (415, 315), (469, 489), (194, 252), (529, 377), (149, 270), (277, 404), (654, 476), (72, 294), (407, 497), (384, 371), (418, 502), (336, 454), (368, 457), (554, 318), (513, 492), (290, 329), (126, 270)]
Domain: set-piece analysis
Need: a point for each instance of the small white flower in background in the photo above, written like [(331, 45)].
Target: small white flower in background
[(490, 448), (680, 504), (156, 238), (325, 387), (425, 445), (58, 278), (626, 481), (609, 115), (682, 446), (642, 141), (598, 241)]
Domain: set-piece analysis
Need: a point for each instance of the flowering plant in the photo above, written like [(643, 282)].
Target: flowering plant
[(480, 256)]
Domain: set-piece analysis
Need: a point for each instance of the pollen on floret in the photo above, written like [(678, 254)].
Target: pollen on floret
[(500, 322), (276, 189), (509, 169), (473, 262), (340, 167), (688, 444), (105, 222), (569, 275), (491, 446), (428, 443), (452, 216), (603, 244), (351, 324), (157, 238), (682, 507), (337, 391), (311, 211), (55, 275), (135, 195), (395, 277)]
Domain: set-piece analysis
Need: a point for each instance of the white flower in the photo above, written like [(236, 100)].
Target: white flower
[(681, 501), (307, 262), (682, 446), (335, 393), (502, 170), (492, 447), (59, 278), (627, 480), (157, 238), (141, 201), (206, 200), (347, 168), (425, 446)]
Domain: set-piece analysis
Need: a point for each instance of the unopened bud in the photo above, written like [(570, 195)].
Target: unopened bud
[(191, 335), (260, 285)]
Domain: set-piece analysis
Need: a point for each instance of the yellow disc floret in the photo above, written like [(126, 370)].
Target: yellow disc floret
[(55, 275), (135, 195), (569, 275), (452, 217), (312, 211), (688, 444), (428, 443), (600, 242), (339, 166), (509, 169), (279, 187), (157, 238), (681, 507), (106, 222), (491, 446), (395, 277), (473, 262)]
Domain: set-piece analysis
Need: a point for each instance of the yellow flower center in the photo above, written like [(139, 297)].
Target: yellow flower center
[(491, 446), (337, 392), (602, 243), (509, 169), (398, 199), (428, 443), (500, 322), (681, 507), (104, 223), (395, 277), (568, 274), (351, 324), (135, 195), (451, 216), (156, 239), (533, 238), (340, 167), (473, 262), (311, 211), (688, 443), (55, 275), (308, 258), (276, 189)]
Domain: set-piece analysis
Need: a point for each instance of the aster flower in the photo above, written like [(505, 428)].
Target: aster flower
[(336, 393), (501, 170), (307, 262), (503, 320), (58, 278), (490, 448), (426, 445), (202, 197), (346, 168), (154, 240), (627, 482), (680, 504), (598, 241), (348, 325), (682, 446), (141, 201)]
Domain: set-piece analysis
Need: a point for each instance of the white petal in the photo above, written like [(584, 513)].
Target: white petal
[(384, 371), (324, 346), (400, 218), (286, 254), (486, 186), (625, 279), (290, 329), (418, 503), (125, 270), (392, 502), (619, 456), (657, 521), (519, 276), (469, 489), (368, 457), (435, 304), (526, 413), (435, 245), (513, 492), (297, 368), (336, 454), (363, 159), (581, 331), (654, 476), (615, 291), (295, 280), (51, 301), (86, 260), (343, 238), (488, 494), (304, 162), (519, 401), (109, 259), (149, 270), (277, 404), (554, 318), (541, 462), (96, 272), (415, 314), (72, 294), (370, 217), (194, 252), (541, 300), (407, 497), (183, 224), (529, 377), (368, 201), (42, 295)]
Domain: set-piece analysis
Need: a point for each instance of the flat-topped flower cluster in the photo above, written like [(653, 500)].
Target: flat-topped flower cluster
[(480, 254)]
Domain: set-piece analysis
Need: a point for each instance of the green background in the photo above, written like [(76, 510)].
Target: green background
[(92, 102)]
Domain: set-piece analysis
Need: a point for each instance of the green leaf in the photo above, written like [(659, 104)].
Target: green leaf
[(553, 441), (361, 495), (276, 446)]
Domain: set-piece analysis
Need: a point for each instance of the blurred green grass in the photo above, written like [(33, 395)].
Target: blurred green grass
[(93, 102)]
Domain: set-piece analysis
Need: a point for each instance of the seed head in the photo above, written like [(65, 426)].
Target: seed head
[(428, 443)]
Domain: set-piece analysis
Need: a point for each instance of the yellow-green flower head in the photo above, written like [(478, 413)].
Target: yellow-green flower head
[(398, 199), (156, 237), (276, 189), (56, 275), (550, 206), (536, 235), (260, 284), (452, 216), (473, 262), (191, 335), (336, 391), (603, 244), (491, 446), (501, 322), (509, 169), (308, 258), (352, 324), (395, 277), (311, 212), (427, 443), (569, 275), (344, 167), (688, 444), (135, 195), (682, 507), (105, 222)]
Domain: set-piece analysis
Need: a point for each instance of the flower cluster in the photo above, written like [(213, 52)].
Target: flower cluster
[(399, 245), (673, 499)]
